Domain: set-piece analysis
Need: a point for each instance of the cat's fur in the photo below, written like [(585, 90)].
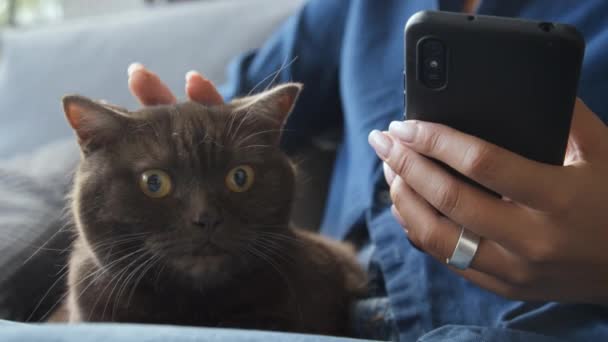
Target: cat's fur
[(142, 259)]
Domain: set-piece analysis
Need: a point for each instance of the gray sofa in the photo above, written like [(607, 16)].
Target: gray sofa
[(90, 57)]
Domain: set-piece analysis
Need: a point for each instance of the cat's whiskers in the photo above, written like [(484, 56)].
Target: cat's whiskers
[(55, 283), (65, 273), (253, 135), (102, 271), (46, 243), (230, 123), (143, 124), (280, 236), (160, 271), (61, 299), (16, 239), (273, 75), (276, 251), (283, 67), (279, 240), (209, 141), (117, 239), (249, 112), (151, 263), (116, 279), (255, 146), (107, 245), (245, 117), (273, 251), (132, 274)]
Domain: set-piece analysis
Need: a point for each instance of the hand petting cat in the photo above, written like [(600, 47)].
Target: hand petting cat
[(545, 242), (147, 87)]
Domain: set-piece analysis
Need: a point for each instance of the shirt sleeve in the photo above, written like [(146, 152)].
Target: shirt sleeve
[(305, 49)]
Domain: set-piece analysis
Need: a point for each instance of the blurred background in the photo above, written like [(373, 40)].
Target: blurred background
[(49, 48), (28, 13)]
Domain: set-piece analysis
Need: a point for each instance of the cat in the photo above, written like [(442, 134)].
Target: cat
[(182, 217)]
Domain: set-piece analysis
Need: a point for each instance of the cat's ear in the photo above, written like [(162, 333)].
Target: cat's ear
[(274, 105), (94, 123)]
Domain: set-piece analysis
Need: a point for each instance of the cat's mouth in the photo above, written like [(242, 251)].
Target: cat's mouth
[(208, 249), (206, 260)]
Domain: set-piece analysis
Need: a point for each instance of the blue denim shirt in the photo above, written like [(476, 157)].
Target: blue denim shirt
[(349, 55)]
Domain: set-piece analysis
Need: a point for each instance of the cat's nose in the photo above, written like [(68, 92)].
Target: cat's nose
[(209, 219)]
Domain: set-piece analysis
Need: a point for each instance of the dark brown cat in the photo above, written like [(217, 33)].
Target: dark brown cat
[(182, 216)]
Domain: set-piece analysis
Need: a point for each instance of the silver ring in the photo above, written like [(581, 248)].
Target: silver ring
[(465, 250)]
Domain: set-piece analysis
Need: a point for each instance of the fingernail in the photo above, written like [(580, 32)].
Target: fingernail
[(133, 67), (389, 174), (380, 142), (404, 130), (190, 74)]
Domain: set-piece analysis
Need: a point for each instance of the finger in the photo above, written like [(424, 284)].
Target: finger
[(425, 227), (389, 174), (542, 289), (147, 87), (496, 285), (201, 90), (438, 236), (398, 217), (482, 213), (506, 173), (587, 132)]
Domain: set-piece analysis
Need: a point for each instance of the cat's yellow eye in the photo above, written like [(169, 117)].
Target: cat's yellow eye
[(155, 183), (240, 178)]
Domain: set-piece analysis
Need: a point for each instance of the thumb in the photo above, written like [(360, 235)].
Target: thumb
[(587, 133)]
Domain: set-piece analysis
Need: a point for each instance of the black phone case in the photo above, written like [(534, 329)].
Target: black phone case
[(511, 82)]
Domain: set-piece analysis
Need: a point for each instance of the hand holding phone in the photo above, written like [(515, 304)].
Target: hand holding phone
[(546, 243)]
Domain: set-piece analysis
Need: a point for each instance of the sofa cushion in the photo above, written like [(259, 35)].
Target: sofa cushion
[(90, 56)]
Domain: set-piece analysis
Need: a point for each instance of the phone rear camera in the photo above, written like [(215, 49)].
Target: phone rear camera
[(432, 60)]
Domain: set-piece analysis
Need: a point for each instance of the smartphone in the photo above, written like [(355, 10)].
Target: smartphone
[(511, 82)]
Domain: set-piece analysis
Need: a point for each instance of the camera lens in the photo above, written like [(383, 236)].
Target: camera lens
[(432, 63)]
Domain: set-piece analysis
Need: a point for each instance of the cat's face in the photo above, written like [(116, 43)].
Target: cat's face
[(194, 186)]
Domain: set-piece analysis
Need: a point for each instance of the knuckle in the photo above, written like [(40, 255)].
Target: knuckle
[(447, 197), (477, 161), (562, 201), (541, 250), (432, 241), (521, 276), (404, 164), (431, 140)]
